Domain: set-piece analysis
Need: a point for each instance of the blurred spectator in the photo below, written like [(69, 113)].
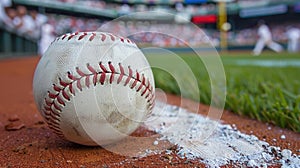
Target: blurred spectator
[(12, 20), (124, 9), (265, 39), (26, 24), (293, 36), (47, 37), (39, 20), (4, 7)]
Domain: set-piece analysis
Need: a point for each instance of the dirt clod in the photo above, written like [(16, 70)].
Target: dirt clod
[(14, 126)]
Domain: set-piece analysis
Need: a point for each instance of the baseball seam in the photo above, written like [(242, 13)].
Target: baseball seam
[(93, 35), (64, 90)]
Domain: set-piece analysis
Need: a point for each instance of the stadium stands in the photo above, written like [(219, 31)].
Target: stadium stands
[(27, 23)]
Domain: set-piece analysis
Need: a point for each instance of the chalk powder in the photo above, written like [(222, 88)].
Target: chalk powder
[(215, 144)]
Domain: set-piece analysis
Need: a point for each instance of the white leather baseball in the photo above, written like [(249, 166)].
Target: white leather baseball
[(93, 88)]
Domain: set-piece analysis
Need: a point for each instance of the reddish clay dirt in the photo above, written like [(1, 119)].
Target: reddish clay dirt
[(26, 141)]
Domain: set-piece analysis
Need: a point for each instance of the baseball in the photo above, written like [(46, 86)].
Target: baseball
[(93, 88)]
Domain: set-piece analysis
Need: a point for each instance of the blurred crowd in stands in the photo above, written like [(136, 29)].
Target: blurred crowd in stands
[(126, 9), (27, 23), (160, 34), (44, 28)]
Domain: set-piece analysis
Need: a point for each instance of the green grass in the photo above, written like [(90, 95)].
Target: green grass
[(266, 93)]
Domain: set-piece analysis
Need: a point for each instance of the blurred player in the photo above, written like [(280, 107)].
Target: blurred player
[(265, 39), (293, 36)]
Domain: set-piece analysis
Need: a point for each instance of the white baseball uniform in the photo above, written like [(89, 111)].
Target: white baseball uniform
[(265, 39), (47, 36), (293, 36)]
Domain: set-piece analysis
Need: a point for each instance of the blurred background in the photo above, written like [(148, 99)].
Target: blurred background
[(28, 26)]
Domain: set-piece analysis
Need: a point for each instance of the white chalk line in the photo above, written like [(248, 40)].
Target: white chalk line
[(215, 144)]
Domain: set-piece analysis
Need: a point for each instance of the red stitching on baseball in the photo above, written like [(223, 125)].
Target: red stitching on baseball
[(53, 105), (51, 95), (92, 35), (143, 93), (137, 76), (112, 69), (147, 95), (102, 78), (142, 84), (91, 69), (111, 78), (54, 112), (82, 36), (71, 89), (87, 81), (79, 72), (147, 88), (103, 37), (70, 76), (48, 109), (136, 80), (56, 106), (121, 73), (55, 116), (65, 95), (143, 80), (47, 102), (129, 76), (94, 72), (148, 84), (112, 37), (60, 100), (78, 84), (64, 36), (103, 67), (62, 83), (95, 79), (56, 88), (71, 36)]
